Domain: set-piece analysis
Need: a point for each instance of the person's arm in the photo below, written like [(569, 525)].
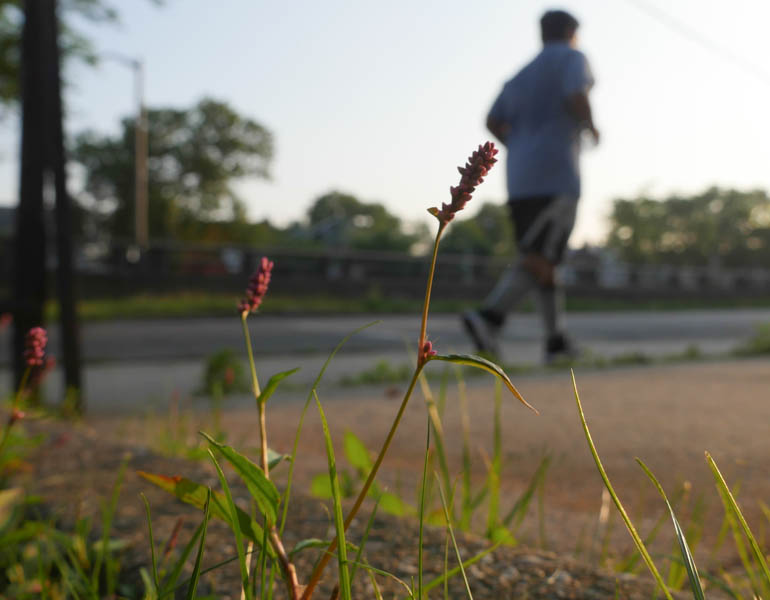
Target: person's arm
[(498, 128), (580, 108)]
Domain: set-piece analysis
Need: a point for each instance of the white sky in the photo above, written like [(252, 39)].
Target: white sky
[(384, 99)]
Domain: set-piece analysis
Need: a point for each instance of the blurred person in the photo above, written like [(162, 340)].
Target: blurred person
[(539, 116)]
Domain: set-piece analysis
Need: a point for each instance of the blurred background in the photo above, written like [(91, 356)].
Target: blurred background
[(319, 133)]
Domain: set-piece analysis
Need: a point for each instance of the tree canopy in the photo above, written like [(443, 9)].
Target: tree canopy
[(489, 232), (726, 226), (340, 219), (195, 155)]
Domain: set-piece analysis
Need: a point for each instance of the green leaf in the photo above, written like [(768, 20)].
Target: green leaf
[(195, 494), (246, 588), (689, 561), (274, 458), (339, 521), (732, 506), (626, 519), (308, 543), (199, 557), (393, 504), (262, 490), (320, 486), (272, 384), (356, 453), (470, 360)]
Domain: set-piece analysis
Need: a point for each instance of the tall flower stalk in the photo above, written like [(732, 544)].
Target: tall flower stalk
[(255, 293), (471, 175), (34, 357)]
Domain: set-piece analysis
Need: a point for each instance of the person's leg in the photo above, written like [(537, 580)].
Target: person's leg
[(513, 286), (550, 293)]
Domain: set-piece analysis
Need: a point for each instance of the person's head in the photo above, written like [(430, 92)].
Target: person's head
[(558, 26)]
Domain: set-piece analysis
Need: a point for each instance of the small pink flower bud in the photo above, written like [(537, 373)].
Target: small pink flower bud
[(16, 415), (35, 342), (472, 174), (257, 287), (426, 352)]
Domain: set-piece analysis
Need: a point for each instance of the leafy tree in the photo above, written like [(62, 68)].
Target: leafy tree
[(343, 220), (729, 227), (194, 157), (489, 232), (74, 45)]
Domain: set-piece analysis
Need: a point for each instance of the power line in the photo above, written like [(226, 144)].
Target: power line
[(693, 35)]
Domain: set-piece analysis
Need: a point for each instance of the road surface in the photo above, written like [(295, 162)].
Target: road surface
[(132, 362)]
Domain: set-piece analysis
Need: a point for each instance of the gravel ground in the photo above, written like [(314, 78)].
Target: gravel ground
[(666, 415)]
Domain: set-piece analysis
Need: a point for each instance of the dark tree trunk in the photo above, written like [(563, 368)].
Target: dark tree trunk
[(43, 167), (65, 281), (29, 265)]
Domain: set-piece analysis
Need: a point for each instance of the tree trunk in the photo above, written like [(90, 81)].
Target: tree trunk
[(29, 246)]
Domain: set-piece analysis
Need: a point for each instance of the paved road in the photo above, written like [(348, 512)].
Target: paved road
[(606, 333), (135, 359)]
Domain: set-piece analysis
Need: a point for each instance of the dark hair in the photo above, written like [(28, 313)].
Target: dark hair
[(557, 26)]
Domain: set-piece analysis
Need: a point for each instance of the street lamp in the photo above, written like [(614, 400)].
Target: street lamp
[(141, 225)]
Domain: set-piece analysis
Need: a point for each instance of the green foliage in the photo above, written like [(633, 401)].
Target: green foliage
[(488, 233), (223, 374), (74, 45), (195, 155), (718, 226), (339, 219)]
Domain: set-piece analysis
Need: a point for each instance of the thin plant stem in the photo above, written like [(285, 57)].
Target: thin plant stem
[(14, 407), (327, 555), (260, 405), (428, 289), (247, 336)]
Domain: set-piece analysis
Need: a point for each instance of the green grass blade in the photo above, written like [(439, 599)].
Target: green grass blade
[(170, 582), (478, 362), (339, 519), (495, 468), (104, 556), (199, 557), (516, 515), (262, 490), (449, 573), (454, 541), (235, 526), (195, 494), (295, 446), (629, 525), (155, 579), (732, 506), (689, 561), (272, 384), (421, 516), (364, 539)]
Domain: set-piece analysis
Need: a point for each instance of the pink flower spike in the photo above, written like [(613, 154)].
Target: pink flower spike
[(257, 287), (35, 343), (472, 174)]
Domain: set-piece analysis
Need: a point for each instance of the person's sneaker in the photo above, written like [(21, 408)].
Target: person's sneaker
[(559, 348), (483, 333)]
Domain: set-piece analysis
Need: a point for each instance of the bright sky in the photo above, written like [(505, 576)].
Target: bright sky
[(384, 99)]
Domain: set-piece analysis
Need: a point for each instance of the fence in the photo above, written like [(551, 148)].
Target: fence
[(342, 272)]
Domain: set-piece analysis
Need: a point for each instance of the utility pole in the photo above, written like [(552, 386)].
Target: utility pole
[(140, 157), (141, 208)]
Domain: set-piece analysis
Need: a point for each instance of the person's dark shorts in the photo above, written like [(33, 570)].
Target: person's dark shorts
[(543, 224)]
